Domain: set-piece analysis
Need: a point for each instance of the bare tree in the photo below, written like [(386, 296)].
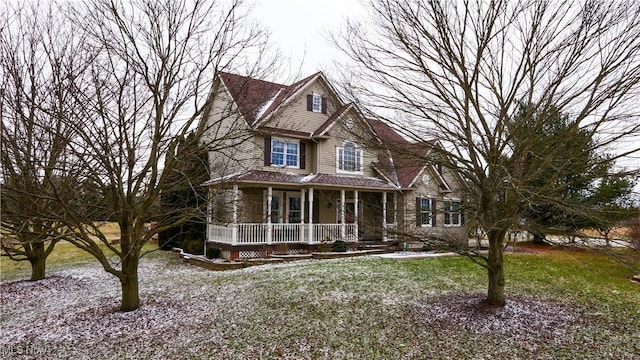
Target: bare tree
[(153, 82), (458, 70), (149, 86), (37, 55)]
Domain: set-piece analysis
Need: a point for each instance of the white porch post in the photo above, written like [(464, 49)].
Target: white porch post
[(311, 216), (384, 216), (355, 212), (395, 208), (234, 216), (269, 226), (209, 219), (343, 226), (302, 200)]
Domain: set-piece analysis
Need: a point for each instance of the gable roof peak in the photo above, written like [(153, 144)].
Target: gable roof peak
[(258, 99)]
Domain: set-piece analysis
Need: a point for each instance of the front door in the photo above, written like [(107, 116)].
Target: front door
[(286, 207)]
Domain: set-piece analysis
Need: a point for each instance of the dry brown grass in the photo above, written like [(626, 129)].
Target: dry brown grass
[(620, 232)]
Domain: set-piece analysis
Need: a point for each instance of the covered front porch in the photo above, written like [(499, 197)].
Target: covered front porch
[(301, 216)]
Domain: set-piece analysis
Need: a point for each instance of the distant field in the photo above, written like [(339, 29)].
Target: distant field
[(63, 255), (562, 304), (616, 233)]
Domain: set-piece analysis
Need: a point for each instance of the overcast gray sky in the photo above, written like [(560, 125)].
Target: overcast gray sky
[(300, 29)]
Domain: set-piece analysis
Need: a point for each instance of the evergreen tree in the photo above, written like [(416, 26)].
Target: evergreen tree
[(583, 194)]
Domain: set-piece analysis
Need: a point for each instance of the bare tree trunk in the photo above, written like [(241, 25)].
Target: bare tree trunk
[(130, 292), (38, 262), (130, 257), (495, 293)]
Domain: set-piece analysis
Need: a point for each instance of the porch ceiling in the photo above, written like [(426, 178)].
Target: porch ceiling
[(261, 177)]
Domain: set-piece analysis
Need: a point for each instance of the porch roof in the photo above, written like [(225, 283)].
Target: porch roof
[(261, 177)]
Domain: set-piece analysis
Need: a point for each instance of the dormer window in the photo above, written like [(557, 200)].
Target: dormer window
[(349, 158)]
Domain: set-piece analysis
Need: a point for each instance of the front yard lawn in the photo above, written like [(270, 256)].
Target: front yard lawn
[(561, 304)]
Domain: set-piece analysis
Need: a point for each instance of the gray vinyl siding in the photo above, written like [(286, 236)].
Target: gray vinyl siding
[(294, 115), (234, 147), (338, 135)]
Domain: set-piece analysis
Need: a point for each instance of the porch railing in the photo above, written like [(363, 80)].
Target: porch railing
[(333, 232), (255, 234)]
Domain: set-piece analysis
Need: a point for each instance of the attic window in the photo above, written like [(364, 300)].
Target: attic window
[(316, 103), (349, 123)]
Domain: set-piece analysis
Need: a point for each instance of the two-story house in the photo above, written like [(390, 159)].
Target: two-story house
[(298, 166)]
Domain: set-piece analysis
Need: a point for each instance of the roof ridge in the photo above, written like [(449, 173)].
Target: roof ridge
[(225, 73)]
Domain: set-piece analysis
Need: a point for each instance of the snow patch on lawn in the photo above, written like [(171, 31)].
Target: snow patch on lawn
[(521, 319), (364, 308)]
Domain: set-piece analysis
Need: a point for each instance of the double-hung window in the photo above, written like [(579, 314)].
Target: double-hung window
[(452, 215), (425, 214), (317, 103), (285, 153), (349, 158)]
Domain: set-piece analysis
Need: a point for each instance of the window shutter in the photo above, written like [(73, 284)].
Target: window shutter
[(461, 216), (324, 105), (303, 155), (267, 150), (310, 102), (418, 212), (433, 212)]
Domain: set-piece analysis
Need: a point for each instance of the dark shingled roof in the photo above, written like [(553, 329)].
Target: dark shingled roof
[(252, 95), (407, 159), (322, 180), (344, 181)]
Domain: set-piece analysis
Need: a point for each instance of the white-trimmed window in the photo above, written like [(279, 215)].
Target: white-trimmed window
[(452, 214), (316, 103), (349, 158), (425, 214), (285, 153)]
